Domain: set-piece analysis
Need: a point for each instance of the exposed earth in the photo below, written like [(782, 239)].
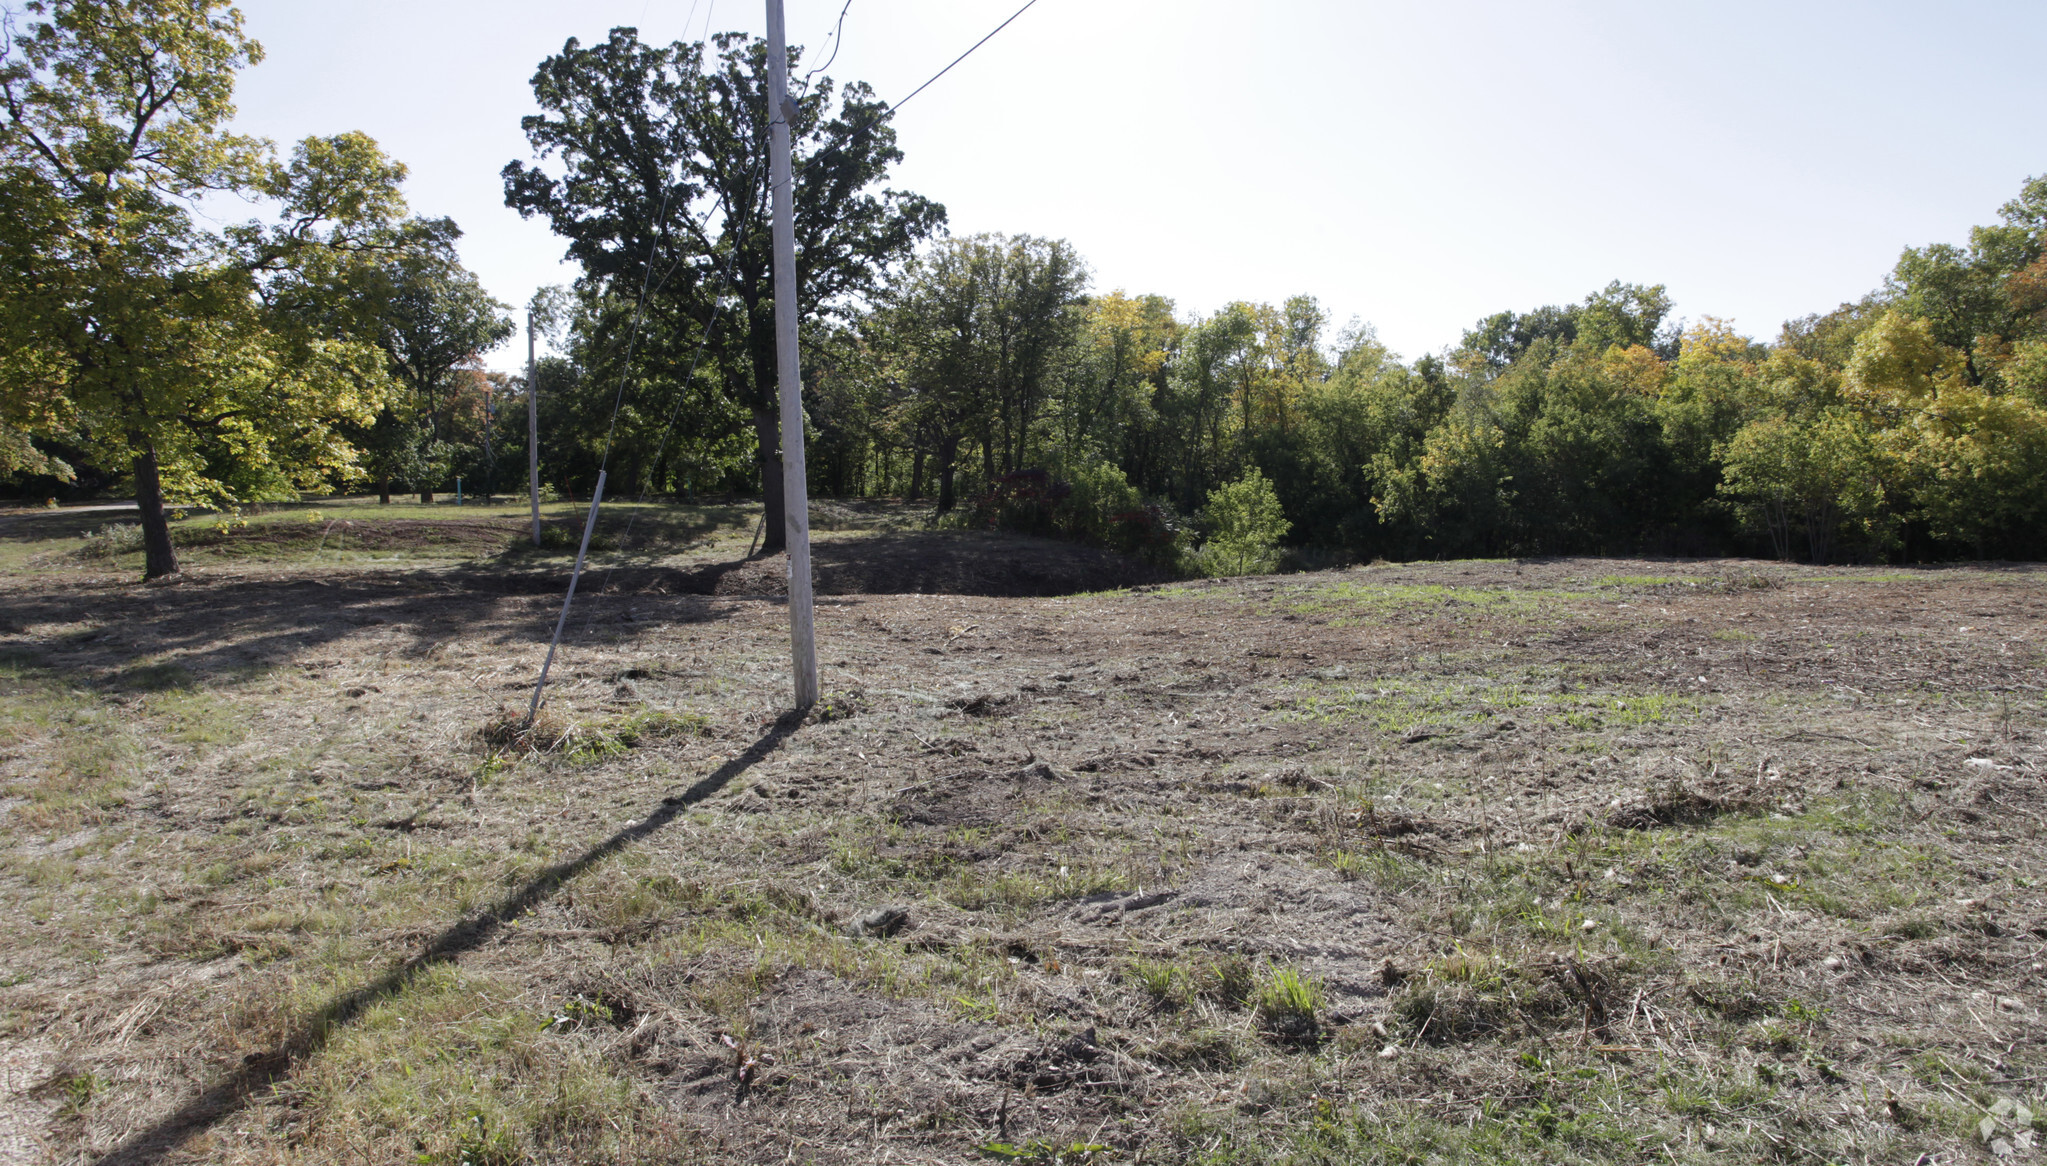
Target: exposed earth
[(1570, 860)]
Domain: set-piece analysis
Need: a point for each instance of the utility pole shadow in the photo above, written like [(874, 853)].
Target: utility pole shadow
[(261, 1072)]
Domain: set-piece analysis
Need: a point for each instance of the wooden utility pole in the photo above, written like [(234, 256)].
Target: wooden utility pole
[(533, 426), (789, 380)]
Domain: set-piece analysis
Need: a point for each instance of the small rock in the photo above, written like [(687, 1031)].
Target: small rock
[(882, 921), (1589, 925), (1831, 963), (1379, 1029), (1389, 1052), (2011, 1004)]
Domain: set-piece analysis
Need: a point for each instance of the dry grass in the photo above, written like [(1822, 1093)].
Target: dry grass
[(1571, 861)]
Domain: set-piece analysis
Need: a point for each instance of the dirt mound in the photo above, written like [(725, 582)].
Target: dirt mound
[(457, 535), (932, 563)]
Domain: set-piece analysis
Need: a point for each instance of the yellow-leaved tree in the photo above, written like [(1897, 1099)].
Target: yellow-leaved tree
[(1973, 461)]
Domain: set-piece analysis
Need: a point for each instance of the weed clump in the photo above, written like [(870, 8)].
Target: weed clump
[(110, 540), (1162, 981), (1229, 981), (660, 725), (564, 537), (509, 732), (839, 706), (1287, 1004)]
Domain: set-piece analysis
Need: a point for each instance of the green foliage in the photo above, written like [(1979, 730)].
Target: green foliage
[(338, 343), (976, 330), (207, 363), (1246, 525), (1288, 996), (1039, 1152), (655, 142)]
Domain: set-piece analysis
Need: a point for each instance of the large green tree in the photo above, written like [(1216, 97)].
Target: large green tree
[(186, 354), (980, 329), (431, 316), (654, 168)]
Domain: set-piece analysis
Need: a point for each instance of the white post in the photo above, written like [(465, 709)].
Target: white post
[(789, 381), (533, 426)]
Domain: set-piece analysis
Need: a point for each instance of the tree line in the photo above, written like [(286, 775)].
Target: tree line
[(987, 375), (338, 344)]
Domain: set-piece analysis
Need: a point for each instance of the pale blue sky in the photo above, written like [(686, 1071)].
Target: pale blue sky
[(1416, 165)]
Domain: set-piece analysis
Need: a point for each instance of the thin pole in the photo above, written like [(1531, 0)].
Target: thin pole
[(533, 436), (589, 524), (490, 457), (789, 380)]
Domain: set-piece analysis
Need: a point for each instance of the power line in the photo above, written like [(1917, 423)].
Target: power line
[(838, 38), (963, 56), (887, 111)]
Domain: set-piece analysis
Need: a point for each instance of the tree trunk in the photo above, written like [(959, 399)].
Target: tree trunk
[(384, 493), (159, 557), (917, 474), (948, 455), (767, 429), (426, 497)]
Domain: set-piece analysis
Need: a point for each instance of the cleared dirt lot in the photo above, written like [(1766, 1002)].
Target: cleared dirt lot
[(1546, 861)]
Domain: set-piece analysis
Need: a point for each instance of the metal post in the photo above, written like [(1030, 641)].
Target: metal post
[(533, 426), (576, 576), (789, 380)]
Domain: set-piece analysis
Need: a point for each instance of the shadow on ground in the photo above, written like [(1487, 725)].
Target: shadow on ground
[(261, 1072)]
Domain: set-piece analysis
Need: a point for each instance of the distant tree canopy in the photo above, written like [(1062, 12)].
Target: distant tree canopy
[(984, 370), (1912, 424)]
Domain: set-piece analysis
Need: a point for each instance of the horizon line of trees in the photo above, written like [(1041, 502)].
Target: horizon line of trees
[(337, 346), (1911, 424)]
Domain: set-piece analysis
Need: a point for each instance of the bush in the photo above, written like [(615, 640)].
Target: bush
[(1096, 497), (1245, 525), (565, 536), (1097, 506), (115, 538), (1024, 502)]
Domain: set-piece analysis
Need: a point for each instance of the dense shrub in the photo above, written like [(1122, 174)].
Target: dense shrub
[(1245, 525), (1097, 506)]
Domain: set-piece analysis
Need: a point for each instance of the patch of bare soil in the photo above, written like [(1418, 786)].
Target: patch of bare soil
[(931, 563), (1546, 861)]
